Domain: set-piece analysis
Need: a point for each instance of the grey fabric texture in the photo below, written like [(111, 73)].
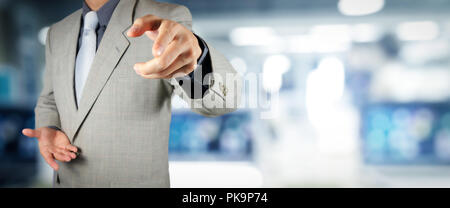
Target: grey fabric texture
[(121, 126)]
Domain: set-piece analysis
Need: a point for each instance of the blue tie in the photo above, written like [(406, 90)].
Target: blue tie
[(86, 53)]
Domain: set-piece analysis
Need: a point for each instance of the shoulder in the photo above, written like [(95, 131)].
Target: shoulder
[(67, 21), (171, 11), (60, 29)]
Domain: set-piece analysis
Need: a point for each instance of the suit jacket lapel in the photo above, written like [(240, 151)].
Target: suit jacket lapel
[(113, 45), (67, 63)]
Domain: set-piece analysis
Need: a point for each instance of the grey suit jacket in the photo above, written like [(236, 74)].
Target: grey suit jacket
[(122, 124)]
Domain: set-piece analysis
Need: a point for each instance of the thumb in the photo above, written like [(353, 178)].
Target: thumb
[(31, 133)]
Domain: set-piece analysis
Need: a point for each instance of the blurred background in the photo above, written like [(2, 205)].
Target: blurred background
[(362, 91)]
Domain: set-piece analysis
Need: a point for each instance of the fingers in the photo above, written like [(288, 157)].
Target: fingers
[(145, 23), (160, 63), (48, 157), (71, 148), (62, 157), (183, 71), (152, 34), (70, 153), (67, 153), (177, 67), (160, 30), (175, 48), (173, 57), (180, 62), (31, 133), (63, 154), (166, 34)]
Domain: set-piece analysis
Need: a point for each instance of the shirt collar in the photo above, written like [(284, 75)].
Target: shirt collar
[(104, 13)]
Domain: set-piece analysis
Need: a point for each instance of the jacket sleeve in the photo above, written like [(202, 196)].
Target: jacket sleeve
[(46, 112), (224, 83)]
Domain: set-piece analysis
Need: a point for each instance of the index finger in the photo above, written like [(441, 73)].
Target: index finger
[(143, 24)]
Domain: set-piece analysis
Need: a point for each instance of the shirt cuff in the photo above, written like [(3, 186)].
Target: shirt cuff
[(205, 50), (54, 127), (192, 83)]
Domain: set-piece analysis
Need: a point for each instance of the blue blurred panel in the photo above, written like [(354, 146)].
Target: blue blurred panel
[(5, 83), (406, 133), (197, 137), (18, 154)]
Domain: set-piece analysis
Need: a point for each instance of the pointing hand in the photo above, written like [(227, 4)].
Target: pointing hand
[(175, 48)]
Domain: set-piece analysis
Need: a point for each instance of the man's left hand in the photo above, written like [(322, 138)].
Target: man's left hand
[(175, 48)]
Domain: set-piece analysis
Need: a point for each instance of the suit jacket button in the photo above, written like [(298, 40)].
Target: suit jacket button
[(224, 89)]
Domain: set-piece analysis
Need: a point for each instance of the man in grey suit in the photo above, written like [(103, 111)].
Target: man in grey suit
[(103, 117)]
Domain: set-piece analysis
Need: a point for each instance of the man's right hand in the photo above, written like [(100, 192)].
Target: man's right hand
[(53, 144)]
